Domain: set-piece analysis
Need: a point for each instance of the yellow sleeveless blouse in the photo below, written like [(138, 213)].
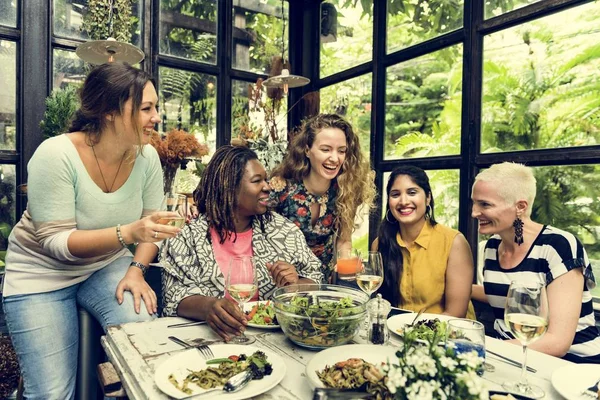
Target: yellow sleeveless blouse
[(423, 282)]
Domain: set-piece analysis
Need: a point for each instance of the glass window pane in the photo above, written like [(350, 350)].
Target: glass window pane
[(8, 94), (423, 105), (412, 22), (346, 35), (188, 101), (67, 69), (69, 18), (493, 8), (444, 185), (7, 209), (540, 83), (257, 34), (8, 13), (352, 100), (249, 119), (189, 29)]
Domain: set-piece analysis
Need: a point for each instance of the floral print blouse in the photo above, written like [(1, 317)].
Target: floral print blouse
[(293, 201)]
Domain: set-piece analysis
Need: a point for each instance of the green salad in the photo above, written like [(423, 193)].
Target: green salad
[(262, 314), (426, 329), (322, 323)]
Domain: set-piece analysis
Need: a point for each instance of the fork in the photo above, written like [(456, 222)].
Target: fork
[(204, 349), (418, 315), (592, 391)]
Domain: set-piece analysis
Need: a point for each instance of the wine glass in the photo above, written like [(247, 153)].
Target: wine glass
[(176, 203), (370, 275), (348, 263), (526, 315), (241, 284), (467, 335)]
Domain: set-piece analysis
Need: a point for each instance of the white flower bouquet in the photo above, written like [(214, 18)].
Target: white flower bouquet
[(431, 371)]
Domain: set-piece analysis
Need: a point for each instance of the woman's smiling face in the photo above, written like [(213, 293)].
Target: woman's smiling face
[(407, 201), (491, 210), (254, 190), (327, 153)]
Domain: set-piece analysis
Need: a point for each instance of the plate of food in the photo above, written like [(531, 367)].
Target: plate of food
[(350, 366), (424, 327), (261, 314), (189, 374), (571, 380)]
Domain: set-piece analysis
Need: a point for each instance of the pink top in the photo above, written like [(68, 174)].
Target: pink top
[(224, 252)]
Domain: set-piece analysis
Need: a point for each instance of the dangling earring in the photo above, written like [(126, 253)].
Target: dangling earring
[(387, 217), (518, 225)]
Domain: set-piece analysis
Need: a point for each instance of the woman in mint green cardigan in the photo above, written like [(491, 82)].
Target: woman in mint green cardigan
[(91, 193)]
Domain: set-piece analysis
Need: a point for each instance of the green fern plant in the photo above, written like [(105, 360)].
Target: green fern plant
[(60, 108)]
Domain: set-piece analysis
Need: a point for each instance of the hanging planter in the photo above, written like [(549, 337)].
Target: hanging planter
[(105, 19)]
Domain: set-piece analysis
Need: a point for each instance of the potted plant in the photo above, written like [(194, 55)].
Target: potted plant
[(175, 148)]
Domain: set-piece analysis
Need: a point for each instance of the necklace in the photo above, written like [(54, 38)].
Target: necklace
[(108, 189)]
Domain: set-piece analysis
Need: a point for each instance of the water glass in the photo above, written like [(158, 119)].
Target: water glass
[(349, 262), (466, 335)]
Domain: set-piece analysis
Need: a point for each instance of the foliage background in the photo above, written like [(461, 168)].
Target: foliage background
[(540, 90)]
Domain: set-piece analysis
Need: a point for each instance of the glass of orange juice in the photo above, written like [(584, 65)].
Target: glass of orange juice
[(349, 262)]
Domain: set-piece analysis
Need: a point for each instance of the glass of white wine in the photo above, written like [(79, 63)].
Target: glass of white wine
[(176, 203), (526, 315), (370, 275), (241, 284)]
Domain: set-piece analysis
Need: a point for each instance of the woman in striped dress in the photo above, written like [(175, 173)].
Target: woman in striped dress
[(526, 251)]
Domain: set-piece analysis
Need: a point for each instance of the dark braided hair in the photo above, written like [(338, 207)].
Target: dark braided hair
[(388, 245), (217, 193)]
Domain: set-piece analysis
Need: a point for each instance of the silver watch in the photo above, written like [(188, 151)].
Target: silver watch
[(139, 265)]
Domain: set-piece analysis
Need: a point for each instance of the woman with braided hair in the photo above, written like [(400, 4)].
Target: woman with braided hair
[(233, 221), (320, 184)]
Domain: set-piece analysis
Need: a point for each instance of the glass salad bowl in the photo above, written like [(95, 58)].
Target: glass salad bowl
[(318, 316)]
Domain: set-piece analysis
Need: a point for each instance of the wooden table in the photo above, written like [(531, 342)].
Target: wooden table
[(136, 349)]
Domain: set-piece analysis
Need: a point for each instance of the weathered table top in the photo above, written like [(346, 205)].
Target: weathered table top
[(136, 349)]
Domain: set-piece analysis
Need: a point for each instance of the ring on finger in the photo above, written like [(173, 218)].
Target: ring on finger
[(155, 234)]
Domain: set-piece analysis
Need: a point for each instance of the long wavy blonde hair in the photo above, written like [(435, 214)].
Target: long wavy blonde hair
[(355, 179)]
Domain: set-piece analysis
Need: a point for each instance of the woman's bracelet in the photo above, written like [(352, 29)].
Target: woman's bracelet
[(120, 237)]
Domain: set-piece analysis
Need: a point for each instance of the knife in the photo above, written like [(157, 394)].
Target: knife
[(510, 361), (183, 324)]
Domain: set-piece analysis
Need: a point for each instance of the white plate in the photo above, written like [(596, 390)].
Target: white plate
[(401, 320), (180, 364), (371, 353), (248, 306), (571, 380)]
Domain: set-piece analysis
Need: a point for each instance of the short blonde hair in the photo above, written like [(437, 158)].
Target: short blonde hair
[(513, 182)]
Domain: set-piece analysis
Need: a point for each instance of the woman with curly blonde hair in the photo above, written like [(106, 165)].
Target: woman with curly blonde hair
[(320, 184)]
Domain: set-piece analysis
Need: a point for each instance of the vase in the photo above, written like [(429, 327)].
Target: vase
[(169, 174)]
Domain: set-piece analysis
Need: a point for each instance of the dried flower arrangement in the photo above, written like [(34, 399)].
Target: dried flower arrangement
[(174, 148)]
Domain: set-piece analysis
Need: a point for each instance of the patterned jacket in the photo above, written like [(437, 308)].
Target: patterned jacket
[(190, 267)]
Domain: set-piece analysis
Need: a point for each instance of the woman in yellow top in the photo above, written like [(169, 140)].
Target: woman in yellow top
[(427, 265)]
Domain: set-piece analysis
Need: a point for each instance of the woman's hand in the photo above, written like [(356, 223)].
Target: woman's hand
[(226, 318), (283, 273), (148, 229), (135, 283)]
